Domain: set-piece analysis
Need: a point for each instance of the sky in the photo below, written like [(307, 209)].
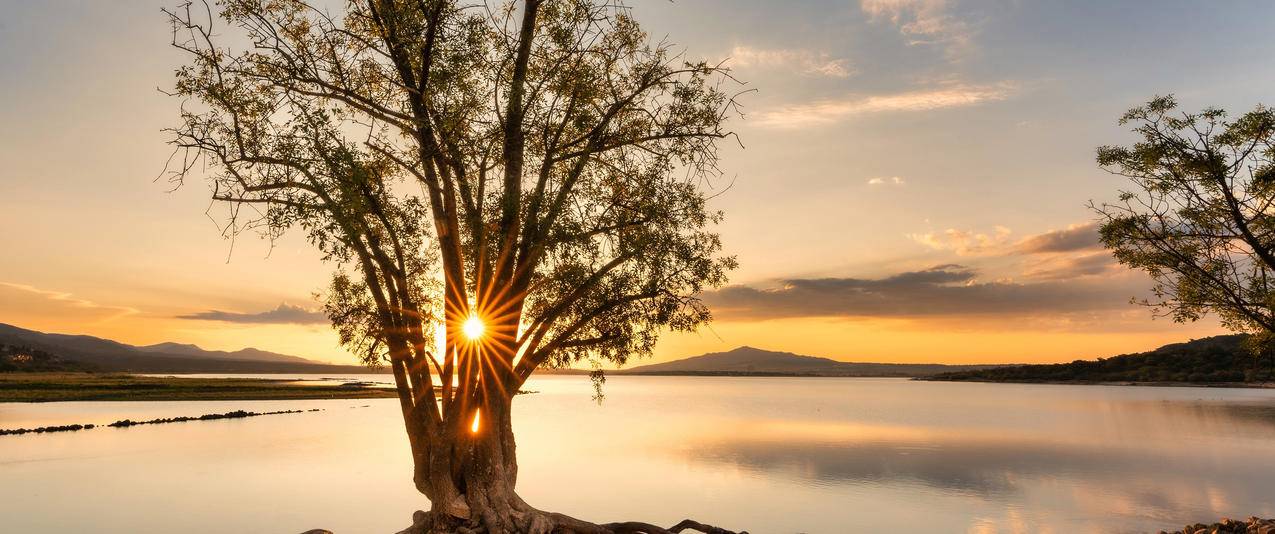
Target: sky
[(912, 186)]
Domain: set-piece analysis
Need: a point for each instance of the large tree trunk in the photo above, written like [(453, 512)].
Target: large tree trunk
[(488, 472), (470, 478)]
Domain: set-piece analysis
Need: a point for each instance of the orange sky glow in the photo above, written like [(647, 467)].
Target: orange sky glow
[(896, 198)]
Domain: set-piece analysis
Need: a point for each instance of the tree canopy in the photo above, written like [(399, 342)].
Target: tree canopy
[(581, 182), (1199, 218)]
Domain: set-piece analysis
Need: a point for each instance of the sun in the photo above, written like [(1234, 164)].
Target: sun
[(473, 328)]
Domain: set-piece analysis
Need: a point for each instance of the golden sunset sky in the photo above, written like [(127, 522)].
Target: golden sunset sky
[(912, 185)]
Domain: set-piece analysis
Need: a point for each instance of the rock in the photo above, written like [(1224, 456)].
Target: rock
[(1253, 525)]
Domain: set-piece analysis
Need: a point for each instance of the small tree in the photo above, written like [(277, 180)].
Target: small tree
[(1200, 218), (529, 176)]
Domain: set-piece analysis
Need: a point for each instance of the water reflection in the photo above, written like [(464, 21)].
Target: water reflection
[(1188, 459), (772, 455), (989, 468)]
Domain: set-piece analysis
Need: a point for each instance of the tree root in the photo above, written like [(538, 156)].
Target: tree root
[(646, 528), (532, 521)]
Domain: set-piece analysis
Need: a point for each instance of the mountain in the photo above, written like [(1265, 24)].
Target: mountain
[(106, 355), (1217, 359), (754, 361), (184, 349)]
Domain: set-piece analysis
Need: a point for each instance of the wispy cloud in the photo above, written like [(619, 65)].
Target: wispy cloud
[(924, 22), (834, 110), (803, 61), (966, 242), (65, 299), (944, 290), (284, 314), (886, 180)]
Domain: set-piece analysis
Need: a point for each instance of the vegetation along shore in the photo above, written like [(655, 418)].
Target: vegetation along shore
[(1218, 361), (52, 387)]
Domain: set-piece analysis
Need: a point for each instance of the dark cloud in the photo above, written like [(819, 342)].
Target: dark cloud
[(945, 290), (284, 314), (1078, 237)]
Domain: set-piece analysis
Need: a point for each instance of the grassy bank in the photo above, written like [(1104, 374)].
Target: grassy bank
[(55, 387)]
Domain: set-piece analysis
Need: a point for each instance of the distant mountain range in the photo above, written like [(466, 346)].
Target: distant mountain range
[(184, 349), (95, 353), (1211, 360), (745, 361), (1217, 359)]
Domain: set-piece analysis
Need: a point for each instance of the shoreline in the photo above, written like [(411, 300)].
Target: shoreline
[(80, 386), (75, 387), (1217, 385)]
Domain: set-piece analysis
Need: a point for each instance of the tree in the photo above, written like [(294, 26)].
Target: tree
[(531, 177), (1201, 217)]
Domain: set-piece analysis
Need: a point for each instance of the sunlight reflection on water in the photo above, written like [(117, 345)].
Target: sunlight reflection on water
[(763, 454)]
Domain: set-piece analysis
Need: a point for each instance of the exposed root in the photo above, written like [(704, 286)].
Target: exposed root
[(532, 521), (688, 524)]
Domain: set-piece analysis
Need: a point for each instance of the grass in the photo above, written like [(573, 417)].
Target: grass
[(58, 387)]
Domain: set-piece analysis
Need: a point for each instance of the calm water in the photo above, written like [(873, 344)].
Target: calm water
[(771, 455)]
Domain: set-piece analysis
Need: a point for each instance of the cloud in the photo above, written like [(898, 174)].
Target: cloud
[(1065, 254), (284, 314), (1075, 237), (923, 22), (883, 180), (1067, 267), (833, 110), (804, 61), (966, 242), (945, 290), (32, 299)]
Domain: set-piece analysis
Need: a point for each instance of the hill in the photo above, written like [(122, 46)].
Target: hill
[(93, 353), (25, 359), (758, 362), (181, 349), (1217, 359)]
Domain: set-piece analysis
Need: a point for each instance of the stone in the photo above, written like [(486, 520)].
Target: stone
[(1252, 525)]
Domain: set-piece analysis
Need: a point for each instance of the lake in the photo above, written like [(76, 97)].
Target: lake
[(770, 455)]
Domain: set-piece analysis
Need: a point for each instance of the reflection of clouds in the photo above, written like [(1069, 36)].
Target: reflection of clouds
[(885, 463), (980, 467), (871, 455), (1162, 477)]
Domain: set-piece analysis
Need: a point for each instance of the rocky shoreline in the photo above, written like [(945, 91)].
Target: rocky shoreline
[(1253, 525)]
